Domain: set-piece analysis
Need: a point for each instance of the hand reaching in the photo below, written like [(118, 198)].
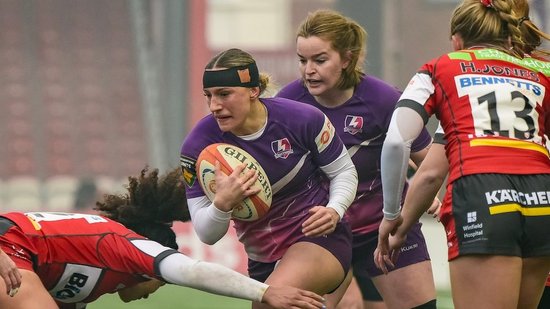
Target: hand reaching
[(435, 208), (10, 273), (292, 298), (385, 253)]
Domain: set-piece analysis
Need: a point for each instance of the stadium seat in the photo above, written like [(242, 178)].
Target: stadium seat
[(60, 63), (23, 193), (60, 193), (109, 185)]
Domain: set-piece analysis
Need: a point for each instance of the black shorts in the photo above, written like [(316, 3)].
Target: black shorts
[(544, 302), (368, 289), (498, 214)]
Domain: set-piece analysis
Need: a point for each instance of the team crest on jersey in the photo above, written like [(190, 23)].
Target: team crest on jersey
[(325, 136), (188, 169), (354, 124), (281, 148)]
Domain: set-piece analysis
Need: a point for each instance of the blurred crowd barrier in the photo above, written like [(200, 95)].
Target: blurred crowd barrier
[(56, 193)]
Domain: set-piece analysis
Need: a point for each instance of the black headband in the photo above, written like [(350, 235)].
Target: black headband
[(243, 76)]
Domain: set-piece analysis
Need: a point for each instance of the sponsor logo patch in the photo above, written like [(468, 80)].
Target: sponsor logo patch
[(76, 283), (188, 169), (325, 137)]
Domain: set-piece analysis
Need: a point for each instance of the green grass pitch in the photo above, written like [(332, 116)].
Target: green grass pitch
[(176, 297), (172, 297)]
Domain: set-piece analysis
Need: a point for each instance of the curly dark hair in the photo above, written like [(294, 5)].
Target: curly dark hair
[(150, 206)]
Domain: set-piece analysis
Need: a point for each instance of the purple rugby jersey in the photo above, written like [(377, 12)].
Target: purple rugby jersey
[(297, 140), (361, 123)]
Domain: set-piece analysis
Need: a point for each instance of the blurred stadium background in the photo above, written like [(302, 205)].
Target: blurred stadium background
[(91, 91)]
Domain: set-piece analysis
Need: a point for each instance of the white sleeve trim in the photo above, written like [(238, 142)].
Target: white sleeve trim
[(209, 277), (343, 182), (209, 222)]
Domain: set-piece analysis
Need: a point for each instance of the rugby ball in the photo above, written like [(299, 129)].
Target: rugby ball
[(230, 156)]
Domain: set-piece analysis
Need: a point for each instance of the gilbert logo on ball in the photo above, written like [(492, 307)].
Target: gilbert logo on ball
[(230, 156)]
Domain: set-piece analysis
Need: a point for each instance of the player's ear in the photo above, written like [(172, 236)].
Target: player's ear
[(346, 59), (254, 92)]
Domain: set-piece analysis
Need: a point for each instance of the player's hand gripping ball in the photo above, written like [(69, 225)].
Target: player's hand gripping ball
[(230, 156)]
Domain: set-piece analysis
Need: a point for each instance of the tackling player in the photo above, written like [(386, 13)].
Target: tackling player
[(68, 260)]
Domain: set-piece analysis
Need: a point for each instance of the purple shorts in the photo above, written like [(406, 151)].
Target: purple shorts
[(414, 251), (338, 243)]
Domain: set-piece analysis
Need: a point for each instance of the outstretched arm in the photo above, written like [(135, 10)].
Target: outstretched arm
[(217, 279)]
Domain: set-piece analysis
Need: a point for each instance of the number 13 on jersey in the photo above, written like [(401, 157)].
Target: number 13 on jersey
[(503, 106)]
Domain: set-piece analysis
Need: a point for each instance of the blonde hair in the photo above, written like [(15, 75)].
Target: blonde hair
[(492, 25), (345, 35), (532, 36), (235, 57)]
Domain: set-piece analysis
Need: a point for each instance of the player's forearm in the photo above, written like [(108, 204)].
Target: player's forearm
[(418, 199), (209, 277), (394, 164), (425, 185), (210, 223), (404, 127), (343, 183)]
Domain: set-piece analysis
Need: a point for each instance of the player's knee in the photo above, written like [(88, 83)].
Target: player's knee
[(429, 305)]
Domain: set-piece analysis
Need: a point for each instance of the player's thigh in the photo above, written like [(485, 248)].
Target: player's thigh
[(31, 295), (371, 297), (346, 296), (533, 278), (308, 266), (407, 287), (485, 281), (371, 304)]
